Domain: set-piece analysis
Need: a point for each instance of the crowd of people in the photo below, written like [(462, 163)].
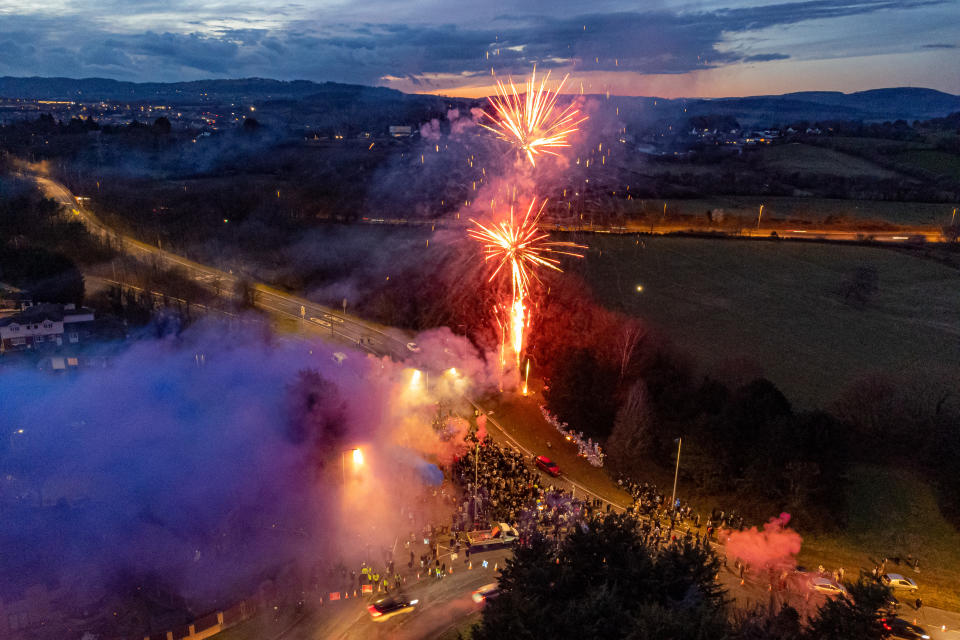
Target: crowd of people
[(501, 485), (497, 483), (650, 502), (586, 447)]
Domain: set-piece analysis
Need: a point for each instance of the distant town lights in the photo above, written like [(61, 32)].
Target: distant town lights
[(639, 288)]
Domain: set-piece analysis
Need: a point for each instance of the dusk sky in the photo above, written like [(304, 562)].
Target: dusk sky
[(666, 48)]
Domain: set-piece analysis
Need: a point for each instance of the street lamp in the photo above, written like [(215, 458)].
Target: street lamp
[(676, 471), (357, 461)]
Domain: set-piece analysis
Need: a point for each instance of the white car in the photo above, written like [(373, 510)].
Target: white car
[(827, 586), (413, 346), (897, 581), (486, 592)]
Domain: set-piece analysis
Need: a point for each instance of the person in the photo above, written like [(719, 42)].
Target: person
[(919, 603)]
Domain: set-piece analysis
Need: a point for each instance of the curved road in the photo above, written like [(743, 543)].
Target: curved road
[(325, 320)]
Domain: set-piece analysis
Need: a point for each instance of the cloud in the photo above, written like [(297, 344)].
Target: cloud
[(765, 57), (291, 44), (939, 46)]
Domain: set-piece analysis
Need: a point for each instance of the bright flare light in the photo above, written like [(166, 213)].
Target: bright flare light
[(519, 247), (357, 457), (533, 122)]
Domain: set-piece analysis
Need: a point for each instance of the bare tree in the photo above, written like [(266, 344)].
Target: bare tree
[(632, 428), (631, 335)]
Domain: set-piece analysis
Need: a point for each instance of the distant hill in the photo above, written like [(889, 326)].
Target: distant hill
[(927, 103), (908, 103), (184, 92)]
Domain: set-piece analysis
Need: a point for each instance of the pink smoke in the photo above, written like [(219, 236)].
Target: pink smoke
[(776, 547), (430, 130), (481, 426)]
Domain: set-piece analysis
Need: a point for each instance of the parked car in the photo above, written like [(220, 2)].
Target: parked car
[(413, 346), (827, 586), (547, 465), (903, 630), (897, 581), (486, 592), (500, 536), (385, 608)]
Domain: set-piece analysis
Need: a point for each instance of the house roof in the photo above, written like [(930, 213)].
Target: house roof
[(40, 312)]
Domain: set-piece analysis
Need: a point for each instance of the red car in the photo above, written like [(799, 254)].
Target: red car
[(547, 465)]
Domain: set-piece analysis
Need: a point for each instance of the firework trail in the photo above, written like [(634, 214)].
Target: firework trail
[(518, 248), (533, 122)]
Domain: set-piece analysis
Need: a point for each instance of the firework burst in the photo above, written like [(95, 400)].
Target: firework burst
[(532, 122), (518, 249)]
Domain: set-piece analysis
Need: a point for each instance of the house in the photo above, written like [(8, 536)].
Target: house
[(45, 325), (12, 299), (401, 131)]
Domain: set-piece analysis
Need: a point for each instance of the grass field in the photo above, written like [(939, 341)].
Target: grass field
[(744, 308), (892, 514), (932, 160), (866, 146), (804, 158), (912, 154)]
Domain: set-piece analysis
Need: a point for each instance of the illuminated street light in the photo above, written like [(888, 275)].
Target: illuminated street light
[(676, 472), (357, 461), (639, 288)]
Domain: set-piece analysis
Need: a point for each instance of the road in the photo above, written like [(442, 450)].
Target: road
[(898, 236), (764, 230), (445, 603), (321, 319)]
